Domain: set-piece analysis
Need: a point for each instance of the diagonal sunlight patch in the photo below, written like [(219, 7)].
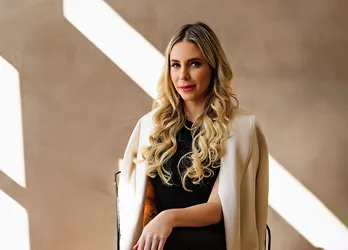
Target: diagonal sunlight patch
[(101, 25), (303, 211), (14, 229), (124, 46), (11, 135)]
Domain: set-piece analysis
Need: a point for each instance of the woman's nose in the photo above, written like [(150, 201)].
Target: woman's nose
[(184, 74)]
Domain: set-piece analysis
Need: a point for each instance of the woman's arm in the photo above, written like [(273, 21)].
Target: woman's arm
[(158, 230), (150, 207), (199, 215)]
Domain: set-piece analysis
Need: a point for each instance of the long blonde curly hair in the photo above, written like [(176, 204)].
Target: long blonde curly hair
[(211, 129)]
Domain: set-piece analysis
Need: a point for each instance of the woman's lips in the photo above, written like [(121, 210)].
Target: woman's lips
[(186, 88)]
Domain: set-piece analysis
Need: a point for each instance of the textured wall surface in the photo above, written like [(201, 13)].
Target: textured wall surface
[(79, 108)]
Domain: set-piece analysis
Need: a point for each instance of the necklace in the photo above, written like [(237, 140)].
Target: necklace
[(188, 127)]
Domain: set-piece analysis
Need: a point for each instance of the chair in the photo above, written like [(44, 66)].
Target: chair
[(268, 241)]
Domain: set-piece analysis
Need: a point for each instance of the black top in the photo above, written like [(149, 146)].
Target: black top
[(176, 196)]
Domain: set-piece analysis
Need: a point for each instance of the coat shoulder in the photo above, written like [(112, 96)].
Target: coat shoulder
[(148, 117), (243, 120)]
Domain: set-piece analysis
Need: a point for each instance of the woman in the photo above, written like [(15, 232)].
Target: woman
[(195, 172)]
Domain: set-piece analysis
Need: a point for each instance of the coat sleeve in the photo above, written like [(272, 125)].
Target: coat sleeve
[(130, 154), (127, 188), (262, 185)]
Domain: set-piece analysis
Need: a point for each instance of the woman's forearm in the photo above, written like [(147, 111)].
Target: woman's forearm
[(196, 216)]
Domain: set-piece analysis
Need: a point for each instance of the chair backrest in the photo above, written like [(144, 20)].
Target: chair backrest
[(117, 211), (268, 239)]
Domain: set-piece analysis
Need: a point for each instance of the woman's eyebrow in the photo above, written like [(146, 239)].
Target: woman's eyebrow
[(190, 60)]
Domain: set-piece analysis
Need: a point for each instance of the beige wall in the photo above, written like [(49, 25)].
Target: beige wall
[(79, 108)]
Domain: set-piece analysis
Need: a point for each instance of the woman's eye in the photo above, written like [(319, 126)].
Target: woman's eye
[(195, 64), (175, 65)]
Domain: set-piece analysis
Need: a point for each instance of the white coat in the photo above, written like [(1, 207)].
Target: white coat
[(243, 185)]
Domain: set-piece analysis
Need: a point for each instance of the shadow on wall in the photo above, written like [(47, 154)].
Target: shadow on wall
[(78, 110), (78, 107)]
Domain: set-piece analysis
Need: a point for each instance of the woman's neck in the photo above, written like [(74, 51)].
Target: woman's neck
[(192, 110)]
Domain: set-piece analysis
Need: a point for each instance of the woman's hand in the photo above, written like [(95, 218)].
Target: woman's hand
[(155, 233)]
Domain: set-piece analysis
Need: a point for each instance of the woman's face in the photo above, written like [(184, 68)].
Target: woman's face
[(189, 72)]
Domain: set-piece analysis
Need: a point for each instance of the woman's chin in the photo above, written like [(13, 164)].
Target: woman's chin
[(192, 98), (188, 96)]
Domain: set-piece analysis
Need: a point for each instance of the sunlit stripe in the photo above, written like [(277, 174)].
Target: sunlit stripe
[(299, 207), (14, 230), (11, 135), (117, 40), (305, 212)]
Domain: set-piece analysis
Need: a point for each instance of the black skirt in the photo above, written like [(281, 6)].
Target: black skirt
[(195, 239)]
